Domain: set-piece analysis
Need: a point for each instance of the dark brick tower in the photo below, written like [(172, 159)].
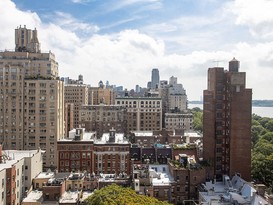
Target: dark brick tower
[(227, 122)]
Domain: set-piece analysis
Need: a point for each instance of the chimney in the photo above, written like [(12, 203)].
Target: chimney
[(79, 134), (112, 135)]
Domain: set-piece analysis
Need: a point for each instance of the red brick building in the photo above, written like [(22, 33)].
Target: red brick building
[(82, 151), (76, 152), (227, 122)]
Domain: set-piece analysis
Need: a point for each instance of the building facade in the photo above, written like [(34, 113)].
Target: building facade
[(112, 154), (101, 94), (142, 113), (31, 97), (101, 118), (76, 94), (109, 154), (17, 169), (76, 152), (227, 122), (178, 121)]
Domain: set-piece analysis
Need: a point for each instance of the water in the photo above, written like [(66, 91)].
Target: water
[(261, 111)]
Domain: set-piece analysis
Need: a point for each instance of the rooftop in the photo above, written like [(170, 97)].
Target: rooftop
[(86, 136), (33, 196), (45, 175), (160, 175), (119, 139), (70, 197), (11, 157), (143, 133), (112, 177), (231, 192)]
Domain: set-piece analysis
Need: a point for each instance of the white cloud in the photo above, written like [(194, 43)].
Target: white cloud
[(144, 5), (127, 57), (256, 14), (80, 1), (68, 22)]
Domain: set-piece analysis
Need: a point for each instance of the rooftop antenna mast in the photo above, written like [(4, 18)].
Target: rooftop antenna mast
[(217, 62)]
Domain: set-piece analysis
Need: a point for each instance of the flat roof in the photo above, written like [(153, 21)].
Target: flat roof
[(33, 196), (143, 133), (160, 175), (69, 197), (119, 139), (45, 175), (228, 191), (12, 156), (86, 136)]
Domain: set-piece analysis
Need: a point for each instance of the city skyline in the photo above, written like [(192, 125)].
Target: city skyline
[(129, 38)]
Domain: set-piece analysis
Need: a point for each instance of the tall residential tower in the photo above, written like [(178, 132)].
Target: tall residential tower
[(227, 122), (31, 97)]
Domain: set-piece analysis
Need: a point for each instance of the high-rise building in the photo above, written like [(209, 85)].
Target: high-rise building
[(177, 98), (227, 122), (155, 78), (76, 94), (31, 97)]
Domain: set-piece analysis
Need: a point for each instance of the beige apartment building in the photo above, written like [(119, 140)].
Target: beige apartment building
[(101, 94), (17, 169), (179, 121), (76, 94), (31, 97), (143, 114)]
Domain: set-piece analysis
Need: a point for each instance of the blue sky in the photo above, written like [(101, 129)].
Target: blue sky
[(122, 40)]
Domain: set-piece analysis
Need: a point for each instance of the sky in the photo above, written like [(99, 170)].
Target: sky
[(121, 41)]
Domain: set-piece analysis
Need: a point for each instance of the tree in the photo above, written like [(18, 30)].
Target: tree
[(269, 125), (262, 152), (117, 195), (257, 131), (197, 119)]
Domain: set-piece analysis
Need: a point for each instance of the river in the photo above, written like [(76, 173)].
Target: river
[(261, 111)]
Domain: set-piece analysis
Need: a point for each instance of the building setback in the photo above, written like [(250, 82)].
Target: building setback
[(227, 122)]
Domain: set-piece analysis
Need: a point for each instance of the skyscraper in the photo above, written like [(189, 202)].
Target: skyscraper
[(227, 122), (155, 78), (31, 97)]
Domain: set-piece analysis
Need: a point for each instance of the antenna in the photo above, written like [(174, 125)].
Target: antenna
[(217, 62)]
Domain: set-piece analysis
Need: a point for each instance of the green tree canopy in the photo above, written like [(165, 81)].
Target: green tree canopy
[(197, 119), (262, 152), (117, 195)]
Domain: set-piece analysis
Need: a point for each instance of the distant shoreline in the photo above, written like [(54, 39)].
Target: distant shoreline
[(255, 103)]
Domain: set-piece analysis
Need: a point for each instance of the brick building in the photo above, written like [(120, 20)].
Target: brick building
[(101, 118), (227, 122)]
